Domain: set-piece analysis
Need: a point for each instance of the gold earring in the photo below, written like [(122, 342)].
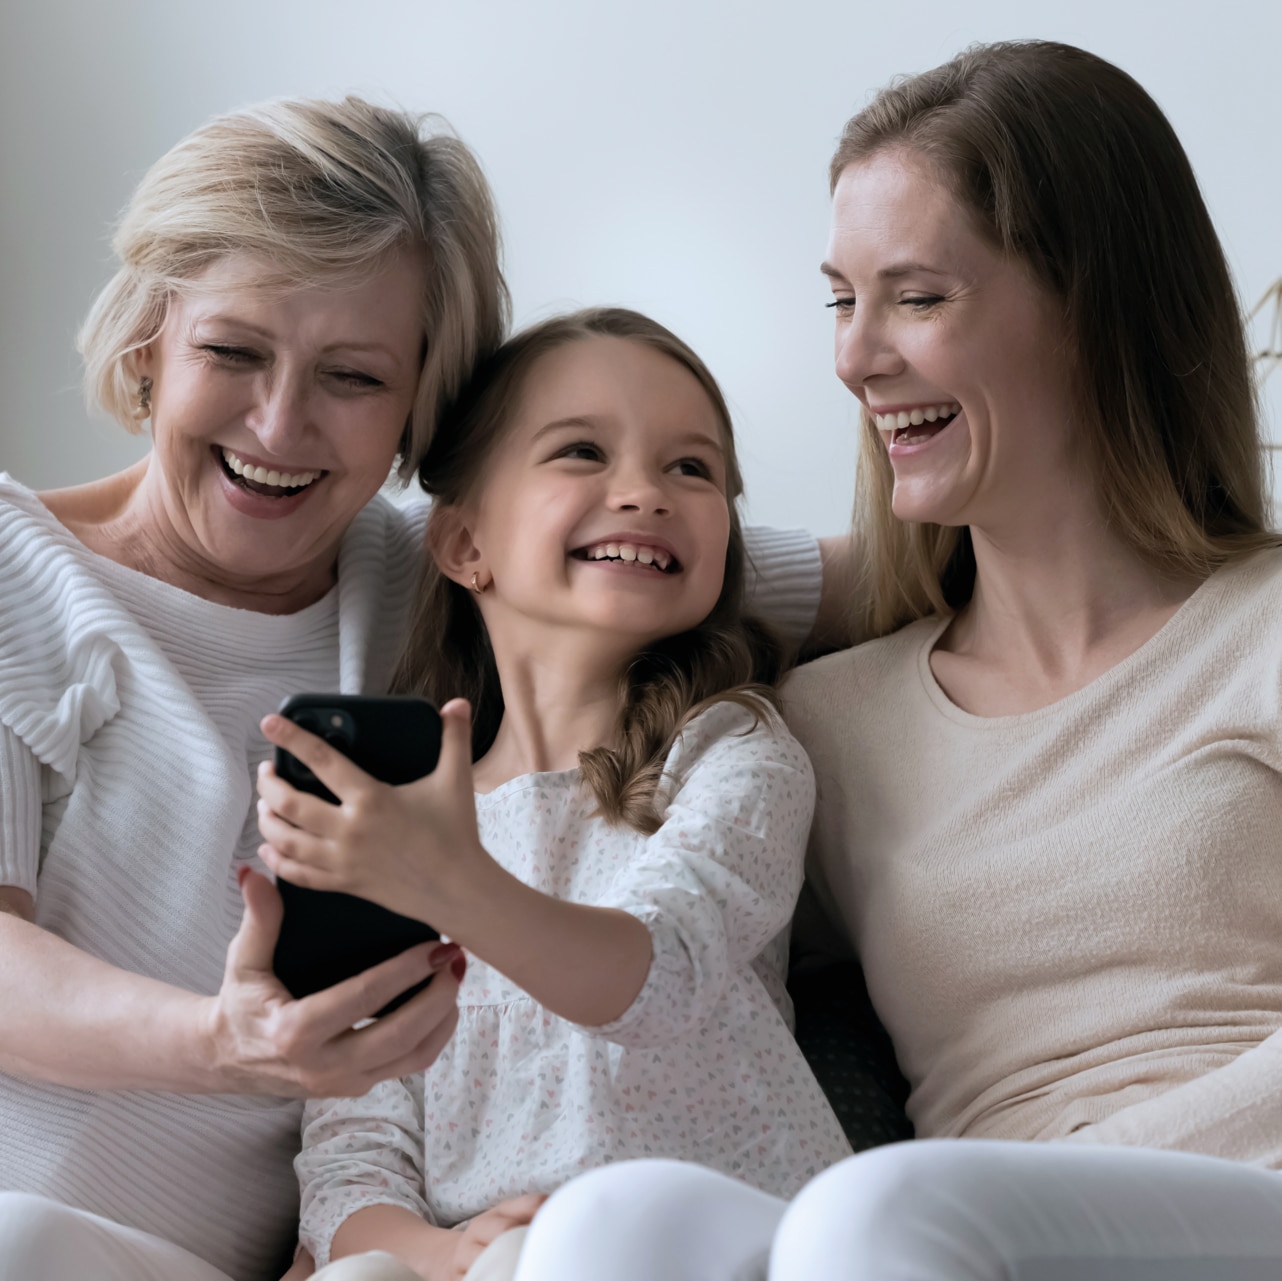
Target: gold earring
[(144, 398), (476, 587)]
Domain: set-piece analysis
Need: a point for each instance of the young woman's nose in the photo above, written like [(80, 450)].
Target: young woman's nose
[(864, 350)]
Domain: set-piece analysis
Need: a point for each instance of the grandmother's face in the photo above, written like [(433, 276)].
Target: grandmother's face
[(276, 417), (952, 345)]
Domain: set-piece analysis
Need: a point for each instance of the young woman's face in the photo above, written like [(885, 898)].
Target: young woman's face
[(951, 345), (276, 417), (604, 506)]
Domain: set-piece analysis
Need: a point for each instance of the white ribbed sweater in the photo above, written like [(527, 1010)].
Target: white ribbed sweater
[(1070, 920), (128, 742)]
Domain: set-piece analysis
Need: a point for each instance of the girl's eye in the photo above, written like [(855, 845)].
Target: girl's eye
[(921, 302), (583, 449), (693, 467), (841, 305)]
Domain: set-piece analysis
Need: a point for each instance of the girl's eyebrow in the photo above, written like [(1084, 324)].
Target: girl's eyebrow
[(580, 422)]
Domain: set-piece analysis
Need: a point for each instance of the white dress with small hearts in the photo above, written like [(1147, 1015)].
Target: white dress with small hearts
[(702, 1067)]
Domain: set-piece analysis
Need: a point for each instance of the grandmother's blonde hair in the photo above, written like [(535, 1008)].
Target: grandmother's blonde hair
[(1068, 165), (325, 191)]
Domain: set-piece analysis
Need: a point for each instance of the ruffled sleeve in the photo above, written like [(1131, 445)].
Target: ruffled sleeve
[(357, 1153), (719, 880), (59, 657)]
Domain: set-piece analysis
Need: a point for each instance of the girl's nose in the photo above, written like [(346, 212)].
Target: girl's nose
[(639, 491)]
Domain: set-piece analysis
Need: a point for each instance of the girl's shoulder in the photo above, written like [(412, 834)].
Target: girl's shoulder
[(733, 740)]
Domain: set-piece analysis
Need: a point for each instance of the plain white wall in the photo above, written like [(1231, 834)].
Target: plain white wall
[(670, 156)]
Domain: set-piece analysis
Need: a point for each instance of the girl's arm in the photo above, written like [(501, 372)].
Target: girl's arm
[(75, 1020), (1233, 1112), (714, 885)]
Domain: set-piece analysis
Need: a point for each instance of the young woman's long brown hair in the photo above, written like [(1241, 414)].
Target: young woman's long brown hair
[(728, 656), (1067, 164)]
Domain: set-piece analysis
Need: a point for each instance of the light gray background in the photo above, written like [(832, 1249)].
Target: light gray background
[(669, 156)]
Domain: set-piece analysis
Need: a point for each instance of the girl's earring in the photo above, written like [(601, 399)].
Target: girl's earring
[(476, 586)]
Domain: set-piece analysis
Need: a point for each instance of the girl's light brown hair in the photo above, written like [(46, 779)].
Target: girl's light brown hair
[(324, 191), (728, 656), (1068, 165)]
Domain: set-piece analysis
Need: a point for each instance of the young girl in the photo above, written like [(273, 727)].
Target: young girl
[(622, 859)]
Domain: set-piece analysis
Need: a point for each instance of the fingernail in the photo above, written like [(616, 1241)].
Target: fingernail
[(241, 872), (458, 967), (443, 954)]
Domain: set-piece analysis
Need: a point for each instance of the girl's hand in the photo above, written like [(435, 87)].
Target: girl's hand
[(408, 848), (486, 1228)]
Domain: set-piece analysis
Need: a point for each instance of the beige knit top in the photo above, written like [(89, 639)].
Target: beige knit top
[(1070, 920)]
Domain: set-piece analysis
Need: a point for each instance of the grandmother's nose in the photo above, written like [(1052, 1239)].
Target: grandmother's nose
[(279, 418)]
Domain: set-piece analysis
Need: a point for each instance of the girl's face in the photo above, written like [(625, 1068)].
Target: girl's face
[(956, 351), (604, 506)]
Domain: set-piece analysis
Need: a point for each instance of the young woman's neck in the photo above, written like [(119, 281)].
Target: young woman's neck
[(560, 697), (1057, 602)]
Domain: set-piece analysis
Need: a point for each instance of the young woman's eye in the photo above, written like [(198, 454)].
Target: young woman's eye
[(354, 378), (841, 305)]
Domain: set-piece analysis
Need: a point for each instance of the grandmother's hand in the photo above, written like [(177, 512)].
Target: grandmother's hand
[(412, 848), (263, 1041)]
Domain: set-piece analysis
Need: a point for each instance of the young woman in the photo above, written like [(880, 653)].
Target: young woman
[(1050, 794), (622, 859)]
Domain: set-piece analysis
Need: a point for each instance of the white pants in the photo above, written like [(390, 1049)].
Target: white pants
[(929, 1210), (43, 1240)]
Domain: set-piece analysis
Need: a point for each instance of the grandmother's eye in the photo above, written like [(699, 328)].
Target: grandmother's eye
[(229, 354)]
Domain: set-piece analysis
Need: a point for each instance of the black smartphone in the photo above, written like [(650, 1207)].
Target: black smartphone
[(327, 936)]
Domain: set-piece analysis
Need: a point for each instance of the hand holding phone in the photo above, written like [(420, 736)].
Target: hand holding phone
[(328, 936)]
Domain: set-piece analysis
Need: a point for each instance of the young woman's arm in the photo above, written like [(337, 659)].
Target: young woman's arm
[(1233, 1112)]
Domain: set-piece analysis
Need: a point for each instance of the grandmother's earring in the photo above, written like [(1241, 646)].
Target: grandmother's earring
[(476, 586), (144, 398)]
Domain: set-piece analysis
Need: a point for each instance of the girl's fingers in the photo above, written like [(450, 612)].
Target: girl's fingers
[(291, 842), (307, 812), (456, 742), (330, 766)]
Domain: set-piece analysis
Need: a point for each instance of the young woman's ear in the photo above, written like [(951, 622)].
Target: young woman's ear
[(450, 545)]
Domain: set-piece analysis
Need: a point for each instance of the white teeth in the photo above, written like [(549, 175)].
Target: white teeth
[(916, 417), (281, 479), (903, 420), (930, 414), (898, 420), (629, 552)]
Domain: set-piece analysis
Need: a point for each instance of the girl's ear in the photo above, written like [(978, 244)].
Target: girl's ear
[(450, 545)]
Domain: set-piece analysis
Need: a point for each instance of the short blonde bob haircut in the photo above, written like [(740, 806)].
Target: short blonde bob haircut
[(326, 191), (1066, 164)]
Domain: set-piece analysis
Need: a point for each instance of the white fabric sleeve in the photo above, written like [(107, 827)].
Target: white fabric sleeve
[(719, 880), (1232, 1112), (357, 1153), (20, 813), (785, 577)]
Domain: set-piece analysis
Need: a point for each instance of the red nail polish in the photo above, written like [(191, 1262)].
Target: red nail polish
[(458, 967), (442, 955)]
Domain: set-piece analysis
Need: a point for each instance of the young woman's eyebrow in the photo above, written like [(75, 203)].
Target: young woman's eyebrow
[(893, 272)]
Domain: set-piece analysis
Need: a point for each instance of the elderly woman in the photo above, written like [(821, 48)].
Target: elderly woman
[(302, 286), (1050, 795)]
